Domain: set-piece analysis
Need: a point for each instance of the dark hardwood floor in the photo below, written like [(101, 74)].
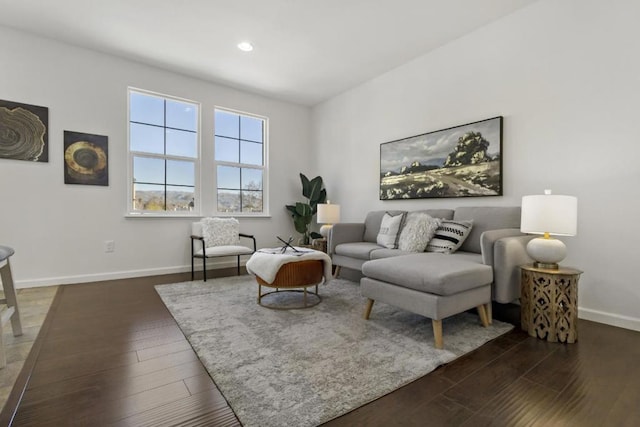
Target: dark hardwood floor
[(110, 353)]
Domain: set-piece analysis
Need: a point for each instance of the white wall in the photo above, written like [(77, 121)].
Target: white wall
[(58, 230), (565, 74)]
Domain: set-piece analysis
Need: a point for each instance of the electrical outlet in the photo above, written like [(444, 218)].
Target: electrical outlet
[(109, 246)]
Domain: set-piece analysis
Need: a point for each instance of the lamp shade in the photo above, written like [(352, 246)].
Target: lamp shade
[(328, 213), (549, 213)]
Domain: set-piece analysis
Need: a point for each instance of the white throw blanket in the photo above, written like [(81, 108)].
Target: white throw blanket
[(267, 262)]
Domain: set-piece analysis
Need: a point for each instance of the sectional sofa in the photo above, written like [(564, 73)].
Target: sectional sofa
[(434, 284)]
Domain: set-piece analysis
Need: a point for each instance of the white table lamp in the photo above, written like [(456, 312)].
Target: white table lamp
[(549, 215), (328, 215)]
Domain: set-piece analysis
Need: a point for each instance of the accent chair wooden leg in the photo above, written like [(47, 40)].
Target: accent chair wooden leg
[(437, 333), (335, 273), (367, 310), (482, 311), (238, 265)]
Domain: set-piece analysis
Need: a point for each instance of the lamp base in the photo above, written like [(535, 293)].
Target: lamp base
[(325, 230), (546, 265), (546, 252)]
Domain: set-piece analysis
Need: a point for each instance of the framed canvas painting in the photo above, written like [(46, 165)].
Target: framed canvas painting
[(462, 161), (86, 159), (24, 132)]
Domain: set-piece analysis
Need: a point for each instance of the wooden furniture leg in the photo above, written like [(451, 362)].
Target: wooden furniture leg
[(437, 333), (3, 357), (10, 297), (490, 312), (482, 311), (367, 310), (335, 273)]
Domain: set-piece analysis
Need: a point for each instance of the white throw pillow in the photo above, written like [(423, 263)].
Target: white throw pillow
[(220, 231), (449, 236), (418, 230), (389, 230)]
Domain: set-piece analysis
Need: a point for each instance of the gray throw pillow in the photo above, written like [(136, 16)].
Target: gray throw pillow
[(390, 229)]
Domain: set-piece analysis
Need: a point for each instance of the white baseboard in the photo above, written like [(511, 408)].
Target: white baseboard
[(618, 320), (99, 277)]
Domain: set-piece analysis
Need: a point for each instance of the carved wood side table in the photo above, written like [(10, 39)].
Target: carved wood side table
[(549, 303)]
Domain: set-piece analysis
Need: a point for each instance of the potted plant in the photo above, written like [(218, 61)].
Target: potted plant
[(302, 213)]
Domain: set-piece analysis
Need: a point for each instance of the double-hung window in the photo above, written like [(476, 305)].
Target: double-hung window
[(163, 154), (240, 164)]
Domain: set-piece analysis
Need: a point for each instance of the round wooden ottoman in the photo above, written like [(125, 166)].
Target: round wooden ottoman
[(291, 277)]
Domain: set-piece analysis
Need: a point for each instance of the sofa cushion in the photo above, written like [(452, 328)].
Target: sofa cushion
[(386, 253), (486, 218), (390, 230), (418, 229), (435, 273), (450, 236), (358, 250)]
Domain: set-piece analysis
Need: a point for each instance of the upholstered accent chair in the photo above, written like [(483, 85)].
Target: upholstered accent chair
[(217, 237)]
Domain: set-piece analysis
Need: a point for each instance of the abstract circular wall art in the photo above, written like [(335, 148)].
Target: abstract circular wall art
[(23, 132), (86, 159)]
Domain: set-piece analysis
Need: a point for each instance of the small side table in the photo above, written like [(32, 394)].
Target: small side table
[(319, 245), (549, 303)]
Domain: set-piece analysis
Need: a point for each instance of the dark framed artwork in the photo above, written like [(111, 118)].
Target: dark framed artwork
[(86, 159), (461, 161), (24, 132)]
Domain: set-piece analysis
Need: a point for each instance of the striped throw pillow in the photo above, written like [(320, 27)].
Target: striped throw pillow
[(449, 236)]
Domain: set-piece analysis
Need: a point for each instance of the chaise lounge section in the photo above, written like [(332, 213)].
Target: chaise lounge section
[(438, 285)]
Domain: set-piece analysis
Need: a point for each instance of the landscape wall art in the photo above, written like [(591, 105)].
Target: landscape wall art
[(462, 161), (24, 132)]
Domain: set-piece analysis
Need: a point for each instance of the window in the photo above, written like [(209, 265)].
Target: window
[(240, 141), (163, 153)]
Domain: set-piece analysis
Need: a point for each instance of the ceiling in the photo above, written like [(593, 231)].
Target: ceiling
[(305, 51)]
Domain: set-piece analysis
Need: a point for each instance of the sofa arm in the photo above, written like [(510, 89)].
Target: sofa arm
[(489, 238), (345, 232), (509, 253)]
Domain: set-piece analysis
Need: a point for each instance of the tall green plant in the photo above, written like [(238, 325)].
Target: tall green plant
[(302, 213)]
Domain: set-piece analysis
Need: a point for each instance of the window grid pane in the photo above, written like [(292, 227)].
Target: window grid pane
[(146, 138), (251, 153), (227, 149), (251, 201)]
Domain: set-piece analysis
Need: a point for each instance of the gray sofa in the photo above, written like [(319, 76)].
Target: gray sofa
[(438, 285)]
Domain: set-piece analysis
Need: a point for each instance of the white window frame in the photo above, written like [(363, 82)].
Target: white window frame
[(196, 212), (264, 167)]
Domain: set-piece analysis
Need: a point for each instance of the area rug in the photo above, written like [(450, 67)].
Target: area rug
[(307, 366)]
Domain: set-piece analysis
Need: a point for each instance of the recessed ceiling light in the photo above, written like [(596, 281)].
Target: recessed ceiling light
[(245, 46)]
